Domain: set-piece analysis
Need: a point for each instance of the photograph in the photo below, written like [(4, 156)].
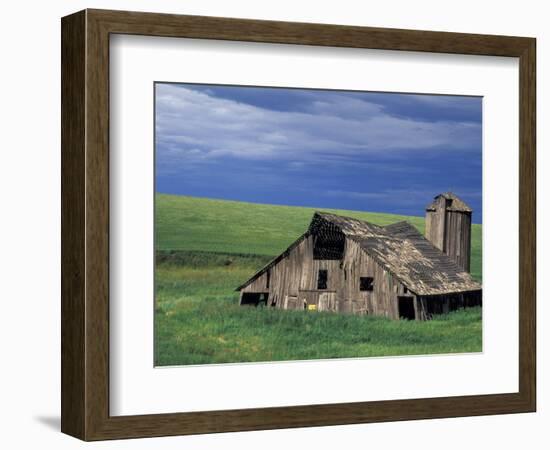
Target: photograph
[(242, 225), (297, 224)]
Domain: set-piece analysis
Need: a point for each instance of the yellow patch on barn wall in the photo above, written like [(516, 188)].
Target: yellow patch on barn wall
[(312, 307)]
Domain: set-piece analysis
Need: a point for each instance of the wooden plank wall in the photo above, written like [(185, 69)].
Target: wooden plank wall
[(293, 282), (285, 276), (435, 224), (258, 285), (458, 236), (382, 300)]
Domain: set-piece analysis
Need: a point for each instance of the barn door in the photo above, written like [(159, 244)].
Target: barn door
[(406, 308), (326, 301)]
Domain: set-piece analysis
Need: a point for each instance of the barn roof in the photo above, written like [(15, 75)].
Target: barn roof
[(405, 253), (454, 203), (399, 248)]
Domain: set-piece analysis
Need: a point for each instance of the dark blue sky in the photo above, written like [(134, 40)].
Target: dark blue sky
[(364, 151)]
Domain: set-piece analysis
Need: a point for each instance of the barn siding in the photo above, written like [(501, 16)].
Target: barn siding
[(435, 224), (382, 300), (293, 282), (458, 236), (258, 285)]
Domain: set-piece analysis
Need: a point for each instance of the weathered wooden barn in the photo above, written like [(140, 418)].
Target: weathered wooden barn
[(348, 265)]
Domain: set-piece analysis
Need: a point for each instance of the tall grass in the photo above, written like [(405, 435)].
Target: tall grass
[(198, 321)]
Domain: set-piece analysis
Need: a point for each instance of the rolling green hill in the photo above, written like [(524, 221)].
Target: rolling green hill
[(221, 226)]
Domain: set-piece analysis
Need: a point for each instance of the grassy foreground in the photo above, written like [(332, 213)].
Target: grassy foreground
[(198, 321), (206, 248)]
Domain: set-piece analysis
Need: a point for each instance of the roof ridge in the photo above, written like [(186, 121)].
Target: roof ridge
[(398, 223), (321, 213), (457, 204)]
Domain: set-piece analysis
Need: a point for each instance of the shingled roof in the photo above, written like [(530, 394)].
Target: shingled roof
[(399, 248), (405, 253), (454, 203)]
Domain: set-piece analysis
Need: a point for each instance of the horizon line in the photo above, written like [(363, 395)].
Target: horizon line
[(317, 208)]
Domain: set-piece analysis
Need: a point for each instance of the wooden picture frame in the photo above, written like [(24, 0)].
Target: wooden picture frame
[(85, 224)]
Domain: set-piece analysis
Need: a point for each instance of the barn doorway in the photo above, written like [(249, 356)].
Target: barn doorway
[(406, 308), (254, 298)]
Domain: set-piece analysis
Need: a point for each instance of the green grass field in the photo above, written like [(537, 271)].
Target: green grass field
[(206, 248)]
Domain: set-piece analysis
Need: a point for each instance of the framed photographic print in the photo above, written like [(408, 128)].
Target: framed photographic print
[(271, 224)]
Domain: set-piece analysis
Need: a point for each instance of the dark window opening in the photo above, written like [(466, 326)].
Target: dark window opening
[(329, 246), (254, 298), (322, 279), (406, 308), (443, 304), (405, 290), (366, 283), (267, 279)]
